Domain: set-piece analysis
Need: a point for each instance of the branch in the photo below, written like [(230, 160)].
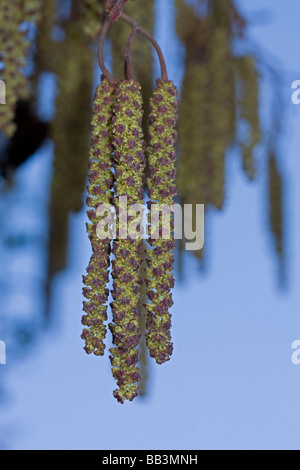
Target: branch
[(103, 34)]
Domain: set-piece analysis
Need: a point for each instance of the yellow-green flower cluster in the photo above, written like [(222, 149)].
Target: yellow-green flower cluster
[(13, 50), (161, 191), (99, 189), (32, 10), (129, 157)]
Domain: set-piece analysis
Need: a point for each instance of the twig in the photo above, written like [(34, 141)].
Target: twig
[(136, 29), (142, 32)]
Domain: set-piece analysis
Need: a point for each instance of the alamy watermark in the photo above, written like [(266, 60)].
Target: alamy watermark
[(296, 353), (296, 94), (2, 92), (2, 352), (123, 221)]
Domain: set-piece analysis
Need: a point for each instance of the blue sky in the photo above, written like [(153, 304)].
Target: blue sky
[(231, 383)]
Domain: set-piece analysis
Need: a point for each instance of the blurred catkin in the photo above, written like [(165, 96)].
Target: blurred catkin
[(70, 134), (15, 18), (207, 106), (99, 192), (275, 204), (161, 191), (219, 101), (45, 50), (248, 110), (93, 13)]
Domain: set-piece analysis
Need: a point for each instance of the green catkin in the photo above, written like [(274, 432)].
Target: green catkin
[(161, 191), (143, 351), (129, 156), (13, 52), (32, 10), (222, 110), (275, 200), (194, 164), (203, 123), (92, 12), (70, 134), (248, 109), (99, 192), (46, 48), (75, 76)]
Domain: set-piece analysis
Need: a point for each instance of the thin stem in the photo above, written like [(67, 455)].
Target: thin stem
[(142, 32), (127, 54), (103, 34)]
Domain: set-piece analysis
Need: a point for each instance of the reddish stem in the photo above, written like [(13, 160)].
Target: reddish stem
[(103, 34), (127, 55), (142, 32)]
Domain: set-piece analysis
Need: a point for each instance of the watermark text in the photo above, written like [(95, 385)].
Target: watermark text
[(2, 352)]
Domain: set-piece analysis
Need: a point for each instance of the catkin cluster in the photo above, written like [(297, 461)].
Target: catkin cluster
[(117, 176), (70, 154), (219, 102)]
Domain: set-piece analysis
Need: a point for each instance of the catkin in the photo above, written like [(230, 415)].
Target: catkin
[(75, 76), (248, 109), (99, 192), (221, 99), (92, 12), (275, 199), (161, 190), (14, 45), (74, 71), (129, 159)]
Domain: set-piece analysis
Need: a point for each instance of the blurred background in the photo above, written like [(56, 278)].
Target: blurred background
[(230, 383)]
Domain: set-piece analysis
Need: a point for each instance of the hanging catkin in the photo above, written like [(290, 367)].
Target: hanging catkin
[(248, 109), (74, 67), (75, 71), (195, 164), (46, 49), (92, 12), (275, 199), (13, 51), (161, 190), (129, 159), (99, 192), (221, 97)]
